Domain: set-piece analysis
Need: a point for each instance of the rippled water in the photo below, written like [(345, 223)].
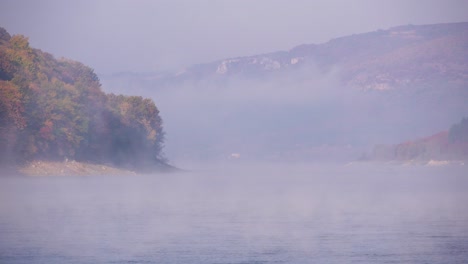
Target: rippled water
[(264, 213)]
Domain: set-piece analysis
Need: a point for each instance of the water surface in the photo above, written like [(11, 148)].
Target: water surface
[(240, 213)]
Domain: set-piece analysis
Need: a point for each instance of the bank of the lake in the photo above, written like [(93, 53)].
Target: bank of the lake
[(66, 168)]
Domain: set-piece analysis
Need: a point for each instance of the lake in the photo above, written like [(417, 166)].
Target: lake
[(240, 213)]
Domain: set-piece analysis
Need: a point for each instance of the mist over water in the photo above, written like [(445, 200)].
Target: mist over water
[(267, 144), (240, 213), (304, 114)]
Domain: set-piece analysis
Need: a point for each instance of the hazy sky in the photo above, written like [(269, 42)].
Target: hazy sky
[(113, 36)]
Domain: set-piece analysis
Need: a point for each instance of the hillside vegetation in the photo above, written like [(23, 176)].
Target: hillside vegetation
[(54, 109), (399, 57), (446, 145)]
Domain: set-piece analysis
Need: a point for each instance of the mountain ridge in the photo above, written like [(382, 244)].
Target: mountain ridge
[(385, 86), (380, 51), (338, 50)]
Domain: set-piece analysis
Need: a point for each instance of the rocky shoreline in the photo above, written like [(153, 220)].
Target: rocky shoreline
[(67, 168)]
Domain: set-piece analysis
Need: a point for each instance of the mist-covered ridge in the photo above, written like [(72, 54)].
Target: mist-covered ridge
[(380, 60), (353, 92), (383, 59), (54, 109)]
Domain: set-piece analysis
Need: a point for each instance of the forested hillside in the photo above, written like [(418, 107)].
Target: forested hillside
[(54, 109), (447, 145)]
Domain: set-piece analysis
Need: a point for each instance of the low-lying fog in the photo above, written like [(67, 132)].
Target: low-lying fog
[(302, 114), (240, 213)]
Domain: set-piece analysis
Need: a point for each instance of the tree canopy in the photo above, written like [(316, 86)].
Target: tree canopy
[(55, 109)]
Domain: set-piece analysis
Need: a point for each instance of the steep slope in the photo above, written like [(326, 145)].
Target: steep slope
[(378, 60), (382, 59), (404, 56)]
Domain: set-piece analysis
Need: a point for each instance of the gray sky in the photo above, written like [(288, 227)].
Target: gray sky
[(112, 36)]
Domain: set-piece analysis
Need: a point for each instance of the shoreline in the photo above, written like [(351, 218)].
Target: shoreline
[(76, 168), (40, 168), (414, 162), (70, 168)]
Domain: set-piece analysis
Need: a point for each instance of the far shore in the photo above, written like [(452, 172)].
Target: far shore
[(39, 168), (412, 162)]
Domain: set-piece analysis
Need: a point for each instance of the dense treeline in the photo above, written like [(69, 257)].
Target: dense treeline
[(55, 110)]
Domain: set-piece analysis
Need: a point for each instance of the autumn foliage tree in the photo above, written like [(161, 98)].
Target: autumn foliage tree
[(55, 109)]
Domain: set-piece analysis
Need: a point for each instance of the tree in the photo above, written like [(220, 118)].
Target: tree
[(11, 120), (55, 109)]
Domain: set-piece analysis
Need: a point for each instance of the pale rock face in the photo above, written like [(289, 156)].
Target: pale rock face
[(264, 62), (295, 60), (224, 66), (404, 34), (273, 66), (269, 64)]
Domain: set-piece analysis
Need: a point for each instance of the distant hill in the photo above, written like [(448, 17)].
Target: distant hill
[(378, 87), (54, 109), (446, 145), (385, 59)]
